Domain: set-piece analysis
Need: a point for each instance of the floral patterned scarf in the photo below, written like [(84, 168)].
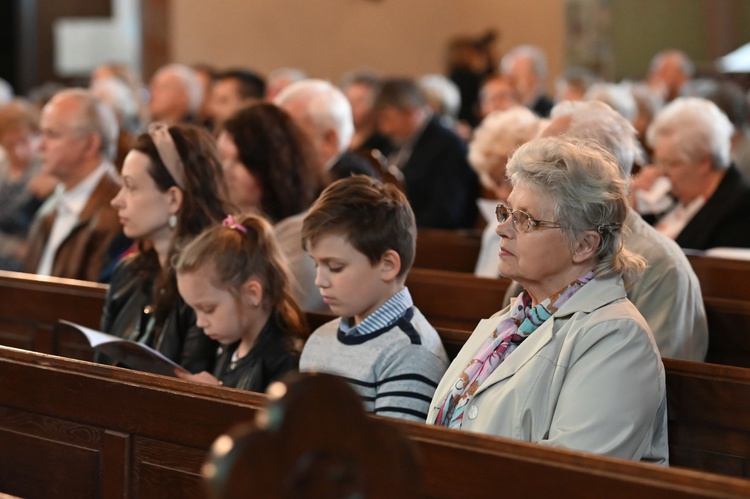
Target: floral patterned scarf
[(523, 320)]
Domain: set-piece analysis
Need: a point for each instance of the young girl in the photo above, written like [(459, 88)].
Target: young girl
[(234, 277)]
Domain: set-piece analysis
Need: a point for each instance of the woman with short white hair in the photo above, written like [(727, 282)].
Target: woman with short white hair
[(494, 140), (571, 362)]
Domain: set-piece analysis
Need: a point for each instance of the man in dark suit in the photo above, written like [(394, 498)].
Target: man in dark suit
[(76, 226), (441, 186), (691, 139), (324, 114)]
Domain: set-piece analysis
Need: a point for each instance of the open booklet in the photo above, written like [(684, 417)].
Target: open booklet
[(127, 352)]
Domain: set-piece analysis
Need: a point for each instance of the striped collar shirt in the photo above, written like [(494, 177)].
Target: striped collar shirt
[(385, 316)]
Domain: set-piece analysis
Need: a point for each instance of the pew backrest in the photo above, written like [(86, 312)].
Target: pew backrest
[(84, 430), (455, 299), (455, 250), (722, 277)]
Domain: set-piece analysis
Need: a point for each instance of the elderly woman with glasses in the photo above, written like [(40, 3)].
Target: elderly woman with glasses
[(571, 362)]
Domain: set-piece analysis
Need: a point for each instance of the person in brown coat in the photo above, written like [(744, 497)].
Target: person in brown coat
[(73, 231)]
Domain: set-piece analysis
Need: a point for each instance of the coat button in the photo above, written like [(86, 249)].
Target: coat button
[(473, 411)]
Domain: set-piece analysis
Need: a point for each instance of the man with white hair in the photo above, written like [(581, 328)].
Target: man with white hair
[(74, 229), (176, 94), (668, 294), (691, 140), (324, 114), (526, 66)]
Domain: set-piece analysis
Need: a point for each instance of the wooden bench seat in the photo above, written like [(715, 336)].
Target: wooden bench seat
[(82, 430), (46, 297)]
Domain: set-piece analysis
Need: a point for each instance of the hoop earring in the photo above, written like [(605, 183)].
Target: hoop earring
[(172, 221)]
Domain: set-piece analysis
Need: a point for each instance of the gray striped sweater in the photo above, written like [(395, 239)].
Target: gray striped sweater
[(394, 369)]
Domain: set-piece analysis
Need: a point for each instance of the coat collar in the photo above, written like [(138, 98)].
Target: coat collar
[(594, 295)]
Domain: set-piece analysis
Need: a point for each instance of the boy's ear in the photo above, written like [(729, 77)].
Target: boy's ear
[(252, 293), (390, 265)]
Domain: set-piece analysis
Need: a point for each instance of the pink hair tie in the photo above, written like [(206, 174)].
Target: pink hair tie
[(229, 222)]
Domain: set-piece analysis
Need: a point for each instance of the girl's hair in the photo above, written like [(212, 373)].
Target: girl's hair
[(278, 154), (203, 204), (242, 249), (589, 193)]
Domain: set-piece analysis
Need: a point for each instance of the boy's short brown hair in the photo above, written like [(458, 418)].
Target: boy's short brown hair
[(372, 216)]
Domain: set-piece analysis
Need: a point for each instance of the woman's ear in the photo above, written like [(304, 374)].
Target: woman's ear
[(174, 198), (586, 246), (390, 265), (252, 293)]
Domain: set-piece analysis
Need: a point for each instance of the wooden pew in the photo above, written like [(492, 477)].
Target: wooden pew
[(454, 250), (455, 299), (83, 430), (722, 277), (31, 305), (728, 331), (708, 408), (38, 319)]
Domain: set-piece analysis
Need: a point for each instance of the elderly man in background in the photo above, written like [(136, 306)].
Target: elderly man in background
[(691, 139), (76, 226), (325, 116), (526, 66), (176, 94), (668, 294), (438, 180)]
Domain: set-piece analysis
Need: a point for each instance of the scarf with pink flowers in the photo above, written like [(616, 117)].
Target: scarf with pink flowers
[(523, 320)]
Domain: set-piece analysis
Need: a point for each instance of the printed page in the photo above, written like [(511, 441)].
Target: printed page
[(129, 353)]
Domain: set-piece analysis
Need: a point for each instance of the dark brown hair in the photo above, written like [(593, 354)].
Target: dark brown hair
[(203, 204), (277, 153), (372, 216)]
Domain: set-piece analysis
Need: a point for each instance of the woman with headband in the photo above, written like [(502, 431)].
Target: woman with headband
[(172, 190)]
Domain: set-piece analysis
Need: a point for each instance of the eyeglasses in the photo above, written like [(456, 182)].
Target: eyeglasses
[(522, 221)]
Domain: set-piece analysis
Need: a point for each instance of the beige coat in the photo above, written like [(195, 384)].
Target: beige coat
[(590, 379)]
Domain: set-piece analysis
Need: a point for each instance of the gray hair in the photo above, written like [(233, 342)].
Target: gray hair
[(618, 97), (93, 116), (497, 136), (589, 194), (698, 127), (118, 96), (525, 51), (597, 121), (190, 82), (441, 90), (326, 107)]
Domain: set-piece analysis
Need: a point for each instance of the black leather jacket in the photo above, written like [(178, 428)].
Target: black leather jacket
[(179, 338), (274, 354)]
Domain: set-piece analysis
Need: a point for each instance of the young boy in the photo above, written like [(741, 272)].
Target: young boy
[(362, 236)]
